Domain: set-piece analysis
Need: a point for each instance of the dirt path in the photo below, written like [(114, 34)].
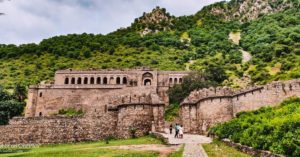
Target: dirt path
[(246, 56), (187, 66), (235, 37), (164, 150)]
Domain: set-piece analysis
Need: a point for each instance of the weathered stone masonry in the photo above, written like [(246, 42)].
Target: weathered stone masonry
[(207, 107), (114, 102), (94, 90), (116, 122)]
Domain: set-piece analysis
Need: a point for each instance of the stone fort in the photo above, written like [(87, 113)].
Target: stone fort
[(115, 102), (96, 92)]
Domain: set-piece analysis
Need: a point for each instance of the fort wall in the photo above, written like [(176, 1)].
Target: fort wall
[(115, 122), (207, 107)]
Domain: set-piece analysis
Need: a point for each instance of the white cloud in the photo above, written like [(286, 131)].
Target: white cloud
[(33, 20)]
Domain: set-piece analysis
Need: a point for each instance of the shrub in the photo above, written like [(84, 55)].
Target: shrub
[(276, 129), (71, 112)]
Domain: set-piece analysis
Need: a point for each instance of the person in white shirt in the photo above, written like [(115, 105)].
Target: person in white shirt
[(181, 131)]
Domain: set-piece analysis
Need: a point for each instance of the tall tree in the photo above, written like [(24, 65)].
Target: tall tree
[(20, 92)]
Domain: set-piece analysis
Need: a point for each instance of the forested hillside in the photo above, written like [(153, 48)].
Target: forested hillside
[(276, 129), (162, 41)]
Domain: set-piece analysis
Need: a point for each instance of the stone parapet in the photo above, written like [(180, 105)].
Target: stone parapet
[(219, 92), (204, 108)]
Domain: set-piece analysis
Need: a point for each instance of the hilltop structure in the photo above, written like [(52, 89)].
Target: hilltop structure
[(96, 91)]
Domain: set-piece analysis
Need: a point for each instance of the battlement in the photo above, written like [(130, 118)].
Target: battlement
[(219, 92), (134, 99), (207, 107), (197, 95)]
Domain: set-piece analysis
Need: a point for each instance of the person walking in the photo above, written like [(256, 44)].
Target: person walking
[(176, 130), (171, 128), (181, 131)]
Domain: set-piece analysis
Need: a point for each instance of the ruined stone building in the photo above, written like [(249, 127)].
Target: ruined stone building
[(114, 103), (97, 91)]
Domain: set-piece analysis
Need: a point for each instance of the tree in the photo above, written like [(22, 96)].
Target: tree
[(9, 106), (193, 81), (9, 109), (20, 92), (4, 95)]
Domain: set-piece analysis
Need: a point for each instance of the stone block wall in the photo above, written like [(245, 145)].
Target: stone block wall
[(207, 107), (140, 117), (140, 112), (45, 130)]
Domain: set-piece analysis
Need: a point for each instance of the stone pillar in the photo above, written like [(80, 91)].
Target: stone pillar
[(32, 102)]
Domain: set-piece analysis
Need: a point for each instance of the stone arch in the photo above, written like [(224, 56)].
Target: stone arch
[(40, 114), (105, 80), (73, 80), (170, 81), (124, 80), (66, 80), (79, 80), (147, 82), (92, 80), (85, 81), (180, 80), (98, 80), (41, 94), (147, 79), (111, 80), (175, 81), (118, 80)]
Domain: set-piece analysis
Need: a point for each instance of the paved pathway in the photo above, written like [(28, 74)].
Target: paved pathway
[(192, 143), (194, 150)]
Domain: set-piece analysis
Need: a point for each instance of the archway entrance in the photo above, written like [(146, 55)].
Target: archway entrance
[(147, 82), (147, 79)]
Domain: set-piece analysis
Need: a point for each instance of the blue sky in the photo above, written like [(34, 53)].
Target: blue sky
[(27, 21)]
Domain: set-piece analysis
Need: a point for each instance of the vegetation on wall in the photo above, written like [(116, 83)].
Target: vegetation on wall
[(194, 81), (270, 128), (71, 112)]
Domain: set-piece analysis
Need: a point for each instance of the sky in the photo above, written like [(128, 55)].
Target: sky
[(30, 21)]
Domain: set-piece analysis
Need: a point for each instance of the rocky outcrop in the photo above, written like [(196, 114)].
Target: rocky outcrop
[(155, 21), (248, 10)]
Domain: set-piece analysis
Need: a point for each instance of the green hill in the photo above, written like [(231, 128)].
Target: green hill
[(165, 42), (276, 129)]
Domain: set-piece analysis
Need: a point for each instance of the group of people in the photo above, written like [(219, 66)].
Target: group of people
[(178, 130)]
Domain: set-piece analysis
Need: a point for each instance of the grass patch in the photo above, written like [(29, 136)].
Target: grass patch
[(177, 153), (88, 149), (220, 149)]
